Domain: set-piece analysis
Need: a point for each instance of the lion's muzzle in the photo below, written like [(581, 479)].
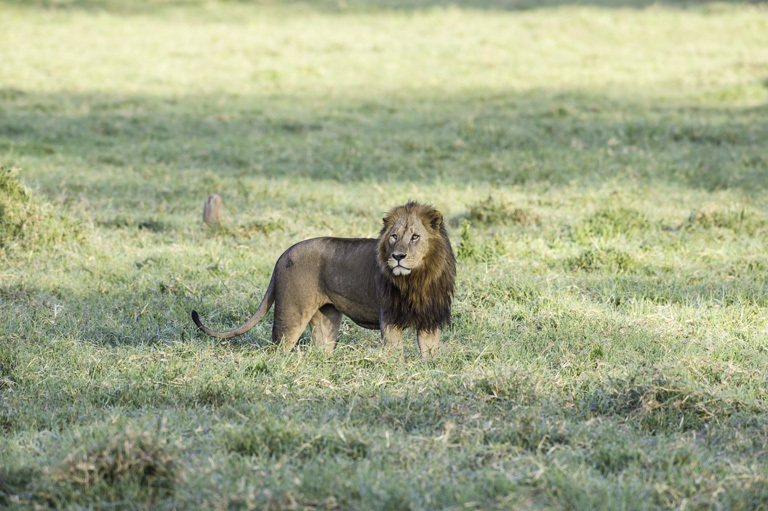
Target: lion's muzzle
[(396, 263)]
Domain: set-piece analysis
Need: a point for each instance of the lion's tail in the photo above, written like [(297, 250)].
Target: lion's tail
[(264, 306)]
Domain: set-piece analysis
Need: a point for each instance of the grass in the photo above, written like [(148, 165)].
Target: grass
[(603, 171)]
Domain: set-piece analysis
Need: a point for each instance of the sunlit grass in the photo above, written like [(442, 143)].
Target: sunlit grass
[(603, 172)]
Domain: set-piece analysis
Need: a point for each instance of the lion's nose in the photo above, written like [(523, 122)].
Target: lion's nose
[(398, 256)]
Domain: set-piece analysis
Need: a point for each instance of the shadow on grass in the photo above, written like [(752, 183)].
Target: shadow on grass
[(171, 146)]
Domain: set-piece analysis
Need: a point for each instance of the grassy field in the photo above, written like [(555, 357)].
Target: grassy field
[(603, 166)]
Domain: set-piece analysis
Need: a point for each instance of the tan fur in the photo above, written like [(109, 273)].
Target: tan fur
[(404, 279)]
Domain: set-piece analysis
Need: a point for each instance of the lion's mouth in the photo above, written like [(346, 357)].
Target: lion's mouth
[(400, 270)]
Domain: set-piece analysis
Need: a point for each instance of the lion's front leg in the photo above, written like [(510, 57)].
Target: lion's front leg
[(393, 337), (428, 341)]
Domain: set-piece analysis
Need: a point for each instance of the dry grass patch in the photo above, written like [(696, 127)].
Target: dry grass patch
[(127, 459)]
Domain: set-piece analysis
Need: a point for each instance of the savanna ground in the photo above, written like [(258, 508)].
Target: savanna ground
[(603, 166)]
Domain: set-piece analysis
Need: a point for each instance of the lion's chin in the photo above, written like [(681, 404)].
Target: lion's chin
[(400, 271)]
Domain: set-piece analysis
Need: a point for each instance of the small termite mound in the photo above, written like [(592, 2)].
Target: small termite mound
[(213, 209)]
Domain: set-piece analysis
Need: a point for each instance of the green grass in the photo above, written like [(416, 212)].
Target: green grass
[(602, 166)]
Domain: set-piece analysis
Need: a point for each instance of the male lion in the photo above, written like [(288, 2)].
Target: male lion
[(403, 279)]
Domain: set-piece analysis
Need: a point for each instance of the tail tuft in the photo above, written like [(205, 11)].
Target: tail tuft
[(196, 319)]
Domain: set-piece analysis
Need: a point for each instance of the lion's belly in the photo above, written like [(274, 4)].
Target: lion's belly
[(365, 317), (358, 308)]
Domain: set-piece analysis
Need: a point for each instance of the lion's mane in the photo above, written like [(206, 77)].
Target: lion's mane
[(421, 300)]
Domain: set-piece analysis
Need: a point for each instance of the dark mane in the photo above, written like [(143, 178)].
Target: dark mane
[(421, 300)]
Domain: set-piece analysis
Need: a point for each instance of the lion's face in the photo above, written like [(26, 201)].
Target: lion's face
[(406, 238)]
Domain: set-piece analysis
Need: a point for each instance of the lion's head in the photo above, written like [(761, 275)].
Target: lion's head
[(416, 259)]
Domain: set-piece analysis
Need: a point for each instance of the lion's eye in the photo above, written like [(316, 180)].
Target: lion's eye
[(414, 237), (394, 237)]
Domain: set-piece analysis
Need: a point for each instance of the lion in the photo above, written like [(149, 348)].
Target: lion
[(402, 279)]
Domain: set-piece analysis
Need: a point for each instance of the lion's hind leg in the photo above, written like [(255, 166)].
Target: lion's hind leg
[(325, 327), (289, 325)]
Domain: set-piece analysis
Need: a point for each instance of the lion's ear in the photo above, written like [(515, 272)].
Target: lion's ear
[(435, 219)]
